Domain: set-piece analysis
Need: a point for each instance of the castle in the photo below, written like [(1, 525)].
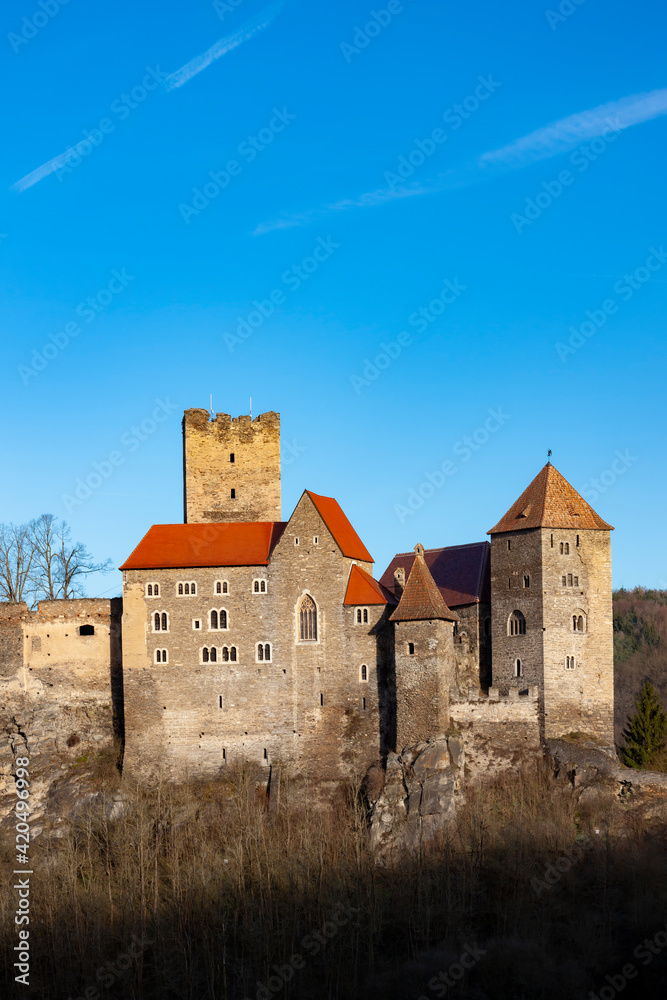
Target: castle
[(244, 637)]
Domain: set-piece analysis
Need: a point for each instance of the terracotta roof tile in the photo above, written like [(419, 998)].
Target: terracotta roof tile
[(550, 502), (461, 572), (346, 537), (363, 589), (421, 600), (245, 543)]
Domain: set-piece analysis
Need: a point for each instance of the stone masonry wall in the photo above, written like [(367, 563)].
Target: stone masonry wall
[(498, 731), (423, 679), (209, 474), (513, 557), (308, 706)]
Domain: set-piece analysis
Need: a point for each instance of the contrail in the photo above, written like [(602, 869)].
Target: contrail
[(559, 137), (225, 45)]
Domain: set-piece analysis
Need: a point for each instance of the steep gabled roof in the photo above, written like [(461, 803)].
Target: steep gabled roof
[(461, 572), (421, 600), (363, 589), (245, 543), (550, 502), (344, 534)]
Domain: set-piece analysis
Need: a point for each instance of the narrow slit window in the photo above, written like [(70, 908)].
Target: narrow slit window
[(232, 654), (321, 699), (526, 580), (267, 652), (569, 579), (576, 581), (364, 672), (411, 649), (223, 618), (164, 621), (518, 668), (204, 654), (365, 616), (260, 651), (214, 654), (225, 653), (232, 457), (233, 494), (220, 705), (564, 583)]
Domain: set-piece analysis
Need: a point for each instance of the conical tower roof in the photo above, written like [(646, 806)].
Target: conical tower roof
[(421, 600), (550, 502)]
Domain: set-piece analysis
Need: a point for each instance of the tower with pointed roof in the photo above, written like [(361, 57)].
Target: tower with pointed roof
[(423, 657), (551, 599)]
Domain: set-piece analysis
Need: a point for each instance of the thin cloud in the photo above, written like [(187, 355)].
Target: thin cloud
[(47, 168), (541, 144), (567, 133), (225, 45)]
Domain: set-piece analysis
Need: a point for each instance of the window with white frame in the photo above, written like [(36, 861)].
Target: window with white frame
[(160, 621), (363, 672), (152, 590), (516, 624), (196, 624), (518, 668), (578, 622), (218, 620), (186, 589), (221, 587), (307, 619), (263, 652), (259, 586), (161, 656), (362, 616), (229, 653), (570, 663)]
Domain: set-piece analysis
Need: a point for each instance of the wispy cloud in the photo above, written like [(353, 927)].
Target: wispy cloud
[(48, 168), (225, 45), (567, 133), (559, 137)]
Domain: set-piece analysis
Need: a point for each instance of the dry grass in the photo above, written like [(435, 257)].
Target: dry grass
[(219, 891)]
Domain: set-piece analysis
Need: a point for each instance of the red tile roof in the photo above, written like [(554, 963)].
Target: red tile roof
[(363, 589), (346, 537), (550, 502), (421, 600), (461, 572), (246, 543)]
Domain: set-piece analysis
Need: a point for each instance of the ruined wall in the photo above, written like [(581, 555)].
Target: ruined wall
[(425, 672), (60, 692), (225, 455), (307, 706), (498, 731)]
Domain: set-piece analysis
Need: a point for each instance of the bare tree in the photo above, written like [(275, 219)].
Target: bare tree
[(60, 565), (16, 562), (39, 561)]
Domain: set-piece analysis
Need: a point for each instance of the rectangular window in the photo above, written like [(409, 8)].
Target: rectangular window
[(233, 495), (564, 583), (569, 579), (576, 581), (321, 699), (231, 457)]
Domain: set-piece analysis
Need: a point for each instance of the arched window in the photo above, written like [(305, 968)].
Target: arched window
[(256, 587), (156, 622), (260, 651), (160, 622), (214, 654), (362, 616), (267, 652), (149, 590), (204, 655), (363, 673), (259, 586), (569, 663), (516, 624), (358, 616), (214, 620), (578, 623), (161, 656), (567, 548), (218, 587), (518, 668), (193, 588), (225, 653), (180, 589), (223, 618), (307, 619), (232, 654), (526, 580), (187, 588), (562, 548)]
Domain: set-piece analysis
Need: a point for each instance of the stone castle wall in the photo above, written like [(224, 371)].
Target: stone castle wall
[(308, 706), (498, 731), (425, 667), (210, 475)]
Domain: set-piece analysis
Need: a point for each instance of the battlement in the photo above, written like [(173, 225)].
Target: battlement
[(231, 467), (494, 697)]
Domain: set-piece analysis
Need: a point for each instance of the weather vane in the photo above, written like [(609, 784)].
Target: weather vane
[(549, 453)]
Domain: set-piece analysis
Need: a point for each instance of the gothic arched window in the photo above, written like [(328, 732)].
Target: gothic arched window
[(307, 619), (516, 624)]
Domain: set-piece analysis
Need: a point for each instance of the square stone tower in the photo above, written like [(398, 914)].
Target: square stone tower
[(231, 467), (551, 601)]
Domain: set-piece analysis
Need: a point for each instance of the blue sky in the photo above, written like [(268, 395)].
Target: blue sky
[(539, 200)]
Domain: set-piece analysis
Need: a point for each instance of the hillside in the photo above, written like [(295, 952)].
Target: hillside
[(640, 648)]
